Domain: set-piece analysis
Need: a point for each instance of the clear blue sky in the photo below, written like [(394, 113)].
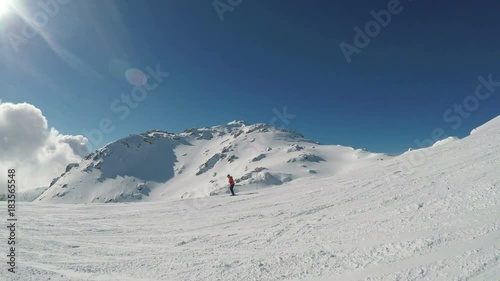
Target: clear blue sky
[(263, 55)]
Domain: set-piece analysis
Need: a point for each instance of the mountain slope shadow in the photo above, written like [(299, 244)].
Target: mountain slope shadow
[(143, 158)]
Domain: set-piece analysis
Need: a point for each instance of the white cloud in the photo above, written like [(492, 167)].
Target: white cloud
[(37, 152)]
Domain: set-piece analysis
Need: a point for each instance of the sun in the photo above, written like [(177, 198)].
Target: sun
[(4, 7)]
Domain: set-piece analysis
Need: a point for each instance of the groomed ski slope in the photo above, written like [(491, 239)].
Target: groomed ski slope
[(435, 219)]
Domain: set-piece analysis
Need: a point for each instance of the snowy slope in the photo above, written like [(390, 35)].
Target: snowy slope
[(26, 196), (159, 165), (401, 219)]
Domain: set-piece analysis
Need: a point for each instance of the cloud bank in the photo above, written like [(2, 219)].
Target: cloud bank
[(37, 152)]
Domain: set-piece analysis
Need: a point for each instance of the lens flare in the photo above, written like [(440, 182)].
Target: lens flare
[(136, 77)]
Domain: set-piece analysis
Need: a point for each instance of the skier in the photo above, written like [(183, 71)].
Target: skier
[(231, 183)]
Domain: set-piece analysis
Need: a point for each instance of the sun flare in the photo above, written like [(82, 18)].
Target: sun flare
[(4, 7)]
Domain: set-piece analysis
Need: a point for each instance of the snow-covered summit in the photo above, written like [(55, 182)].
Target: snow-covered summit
[(158, 164), (237, 122)]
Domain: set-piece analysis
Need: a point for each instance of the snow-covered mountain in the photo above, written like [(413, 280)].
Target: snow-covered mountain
[(428, 214), (26, 196), (159, 165)]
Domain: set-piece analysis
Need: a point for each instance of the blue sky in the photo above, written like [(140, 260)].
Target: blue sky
[(264, 55)]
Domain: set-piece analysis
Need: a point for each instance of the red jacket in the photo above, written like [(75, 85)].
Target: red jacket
[(231, 181)]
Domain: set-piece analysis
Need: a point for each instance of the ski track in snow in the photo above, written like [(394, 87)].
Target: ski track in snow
[(441, 222)]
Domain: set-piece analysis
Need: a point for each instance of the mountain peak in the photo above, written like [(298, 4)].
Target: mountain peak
[(158, 165), (237, 123)]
